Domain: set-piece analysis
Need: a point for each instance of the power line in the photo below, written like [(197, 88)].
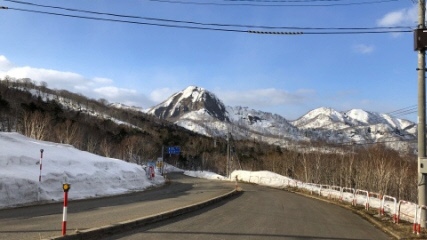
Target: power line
[(335, 33), (360, 143), (405, 111), (402, 109), (126, 21), (291, 1), (283, 3), (209, 28), (211, 24)]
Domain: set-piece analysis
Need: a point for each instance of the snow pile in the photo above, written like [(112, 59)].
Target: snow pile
[(205, 175), (90, 175), (170, 168), (265, 178)]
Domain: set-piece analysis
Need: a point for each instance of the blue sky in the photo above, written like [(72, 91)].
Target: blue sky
[(142, 65)]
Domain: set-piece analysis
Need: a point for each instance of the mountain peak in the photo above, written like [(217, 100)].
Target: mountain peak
[(189, 100), (193, 88)]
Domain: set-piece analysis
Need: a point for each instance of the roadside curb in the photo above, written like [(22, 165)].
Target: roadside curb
[(108, 230)]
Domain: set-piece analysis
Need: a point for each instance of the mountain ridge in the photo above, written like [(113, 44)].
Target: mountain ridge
[(355, 126)]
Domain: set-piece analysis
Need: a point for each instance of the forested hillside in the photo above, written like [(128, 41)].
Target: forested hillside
[(96, 126)]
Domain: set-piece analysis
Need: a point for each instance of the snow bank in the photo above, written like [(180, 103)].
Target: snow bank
[(90, 175)]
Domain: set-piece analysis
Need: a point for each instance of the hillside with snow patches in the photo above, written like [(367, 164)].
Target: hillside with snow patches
[(201, 111)]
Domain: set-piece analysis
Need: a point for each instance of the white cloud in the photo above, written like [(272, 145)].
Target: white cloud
[(363, 48), (96, 87), (5, 64), (264, 97), (102, 80), (402, 17), (55, 79), (160, 95), (128, 97), (114, 92)]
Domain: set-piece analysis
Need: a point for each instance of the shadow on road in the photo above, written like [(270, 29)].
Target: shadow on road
[(171, 189)]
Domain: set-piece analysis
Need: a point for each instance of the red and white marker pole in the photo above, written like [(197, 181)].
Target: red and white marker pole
[(40, 175), (66, 187), (41, 164)]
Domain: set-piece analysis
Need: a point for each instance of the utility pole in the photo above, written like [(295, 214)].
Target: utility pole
[(422, 190)]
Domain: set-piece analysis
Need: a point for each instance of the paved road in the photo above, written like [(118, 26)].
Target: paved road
[(38, 222), (262, 213)]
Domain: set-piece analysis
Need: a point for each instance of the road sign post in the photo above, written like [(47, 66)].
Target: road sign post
[(174, 150)]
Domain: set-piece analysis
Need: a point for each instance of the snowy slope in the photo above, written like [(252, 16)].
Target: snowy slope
[(89, 175), (325, 118)]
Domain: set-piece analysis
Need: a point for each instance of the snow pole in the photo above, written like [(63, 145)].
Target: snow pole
[(41, 164), (66, 187), (40, 174)]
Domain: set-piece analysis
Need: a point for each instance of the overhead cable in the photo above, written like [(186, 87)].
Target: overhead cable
[(127, 21), (275, 4), (370, 143), (211, 28), (206, 24)]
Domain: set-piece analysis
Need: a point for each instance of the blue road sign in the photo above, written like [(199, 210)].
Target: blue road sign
[(174, 150)]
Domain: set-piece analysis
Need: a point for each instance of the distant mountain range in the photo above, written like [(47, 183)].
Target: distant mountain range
[(201, 111)]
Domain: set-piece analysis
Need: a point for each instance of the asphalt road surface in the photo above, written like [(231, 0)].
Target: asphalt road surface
[(262, 213), (43, 221)]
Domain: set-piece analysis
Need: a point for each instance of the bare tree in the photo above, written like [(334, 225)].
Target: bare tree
[(35, 125), (105, 147), (67, 132), (91, 143), (130, 148)]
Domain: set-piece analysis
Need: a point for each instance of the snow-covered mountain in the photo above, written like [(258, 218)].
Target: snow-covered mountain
[(201, 111), (328, 118), (192, 99), (123, 106)]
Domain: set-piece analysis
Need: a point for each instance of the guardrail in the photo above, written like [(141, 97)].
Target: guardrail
[(351, 192), (407, 216), (364, 192), (393, 210), (386, 205), (417, 220), (335, 189)]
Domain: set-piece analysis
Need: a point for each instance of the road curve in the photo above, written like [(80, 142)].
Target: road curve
[(262, 213), (44, 221)]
